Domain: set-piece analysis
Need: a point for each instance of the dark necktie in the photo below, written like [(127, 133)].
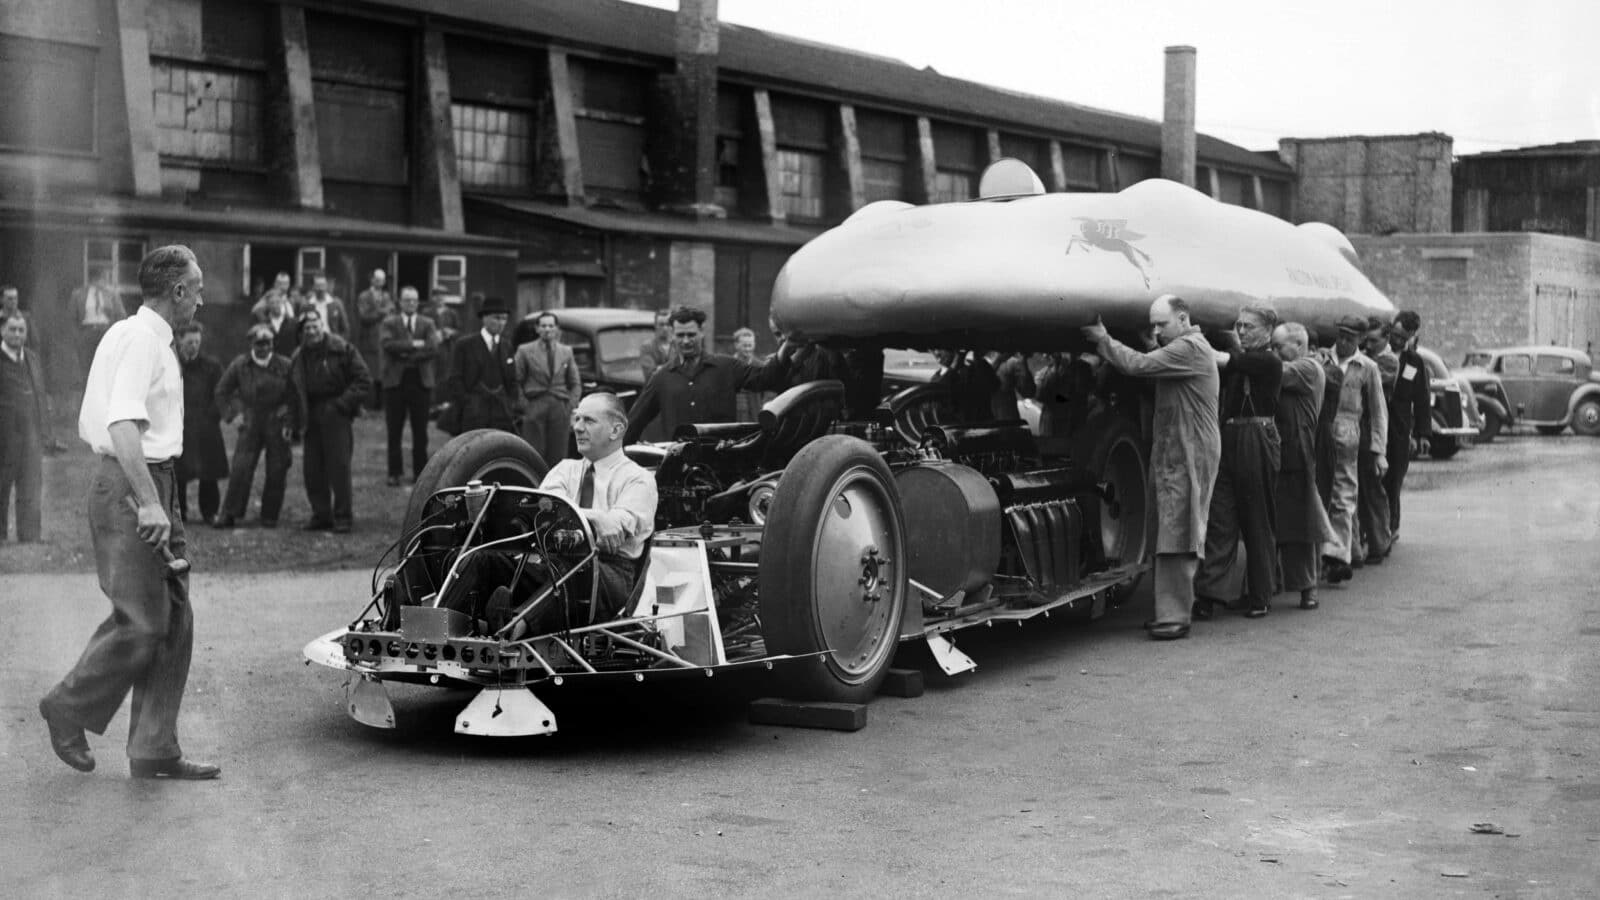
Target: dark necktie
[(411, 326), (550, 360), (586, 487)]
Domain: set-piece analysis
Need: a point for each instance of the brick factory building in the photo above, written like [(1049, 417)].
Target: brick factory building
[(562, 152), (1496, 249)]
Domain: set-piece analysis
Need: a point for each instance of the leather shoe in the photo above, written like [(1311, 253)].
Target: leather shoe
[(1169, 631), (224, 522), (394, 481), (1258, 612), (317, 525), (1375, 558), (1308, 599), (1204, 609), (177, 768), (67, 740), (341, 528)]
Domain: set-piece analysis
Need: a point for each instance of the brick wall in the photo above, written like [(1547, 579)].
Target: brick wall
[(1487, 290), (1372, 185)]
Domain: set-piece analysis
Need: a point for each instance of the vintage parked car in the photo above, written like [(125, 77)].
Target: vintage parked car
[(605, 343), (1549, 388), (1456, 419), (815, 541)]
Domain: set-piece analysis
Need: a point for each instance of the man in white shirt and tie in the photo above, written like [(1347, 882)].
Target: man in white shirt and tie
[(614, 493)]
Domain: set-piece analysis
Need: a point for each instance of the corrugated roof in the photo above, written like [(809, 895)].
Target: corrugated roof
[(616, 221), (810, 66), (1565, 148), (252, 221)]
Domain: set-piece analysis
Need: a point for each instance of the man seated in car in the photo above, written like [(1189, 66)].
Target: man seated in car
[(618, 499)]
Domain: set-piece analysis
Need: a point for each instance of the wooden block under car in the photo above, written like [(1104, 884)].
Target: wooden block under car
[(802, 714), (902, 683)]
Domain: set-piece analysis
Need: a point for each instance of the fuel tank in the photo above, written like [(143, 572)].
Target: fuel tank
[(1026, 272), (952, 526)]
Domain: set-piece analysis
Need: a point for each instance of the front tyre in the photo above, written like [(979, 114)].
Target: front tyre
[(833, 570), (485, 454)]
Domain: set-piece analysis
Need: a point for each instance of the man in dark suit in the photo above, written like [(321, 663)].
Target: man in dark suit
[(24, 427), (409, 342), (1410, 411), (276, 311), (482, 383), (547, 376)]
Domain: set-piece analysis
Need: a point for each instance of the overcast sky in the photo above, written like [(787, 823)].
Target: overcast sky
[(1492, 75)]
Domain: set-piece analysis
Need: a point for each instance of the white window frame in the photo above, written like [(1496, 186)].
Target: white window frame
[(302, 272), (125, 289), (455, 286)]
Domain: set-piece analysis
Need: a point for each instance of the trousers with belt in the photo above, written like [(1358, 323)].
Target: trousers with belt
[(145, 644), (1243, 509)]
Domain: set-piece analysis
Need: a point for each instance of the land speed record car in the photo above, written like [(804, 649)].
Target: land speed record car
[(809, 544)]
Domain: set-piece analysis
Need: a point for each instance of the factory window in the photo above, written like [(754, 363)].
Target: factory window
[(727, 187), (361, 132), (883, 179), (450, 273), (800, 177), (117, 262), (1447, 268), (951, 187), (1082, 165), (309, 262), (207, 113), (50, 95), (494, 146)]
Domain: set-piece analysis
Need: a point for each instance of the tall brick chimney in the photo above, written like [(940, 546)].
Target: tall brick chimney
[(690, 167), (1177, 117)]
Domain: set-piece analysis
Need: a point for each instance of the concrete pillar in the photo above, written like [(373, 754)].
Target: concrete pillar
[(1475, 212), (854, 192), (1055, 180), (1177, 119), (992, 137), (1258, 197), (133, 42), (560, 167), (437, 198), (924, 168), (294, 158), (1213, 185), (692, 279), (1591, 228), (767, 136), (689, 179), (1111, 178)]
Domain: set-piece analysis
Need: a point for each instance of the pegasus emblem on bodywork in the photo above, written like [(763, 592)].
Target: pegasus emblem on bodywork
[(1112, 235)]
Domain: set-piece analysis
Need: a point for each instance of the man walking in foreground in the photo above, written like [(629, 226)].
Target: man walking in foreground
[(132, 417), (1186, 452)]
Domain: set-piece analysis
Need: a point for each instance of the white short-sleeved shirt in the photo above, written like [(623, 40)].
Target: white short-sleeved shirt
[(623, 492), (135, 377)]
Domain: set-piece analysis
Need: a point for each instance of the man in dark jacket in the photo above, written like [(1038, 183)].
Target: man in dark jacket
[(1410, 411), (697, 386), (204, 458), (1243, 502), (482, 383), (24, 427), (330, 380), (408, 342), (256, 384)]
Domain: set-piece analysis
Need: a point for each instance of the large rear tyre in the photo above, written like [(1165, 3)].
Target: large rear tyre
[(833, 571), (1116, 456), (1442, 446), (485, 454)]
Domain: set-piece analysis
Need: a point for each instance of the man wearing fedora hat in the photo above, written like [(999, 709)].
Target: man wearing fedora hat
[(1362, 413), (482, 384)]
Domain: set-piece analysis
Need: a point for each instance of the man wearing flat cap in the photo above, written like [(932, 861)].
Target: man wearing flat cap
[(256, 386), (482, 384), (1362, 414)]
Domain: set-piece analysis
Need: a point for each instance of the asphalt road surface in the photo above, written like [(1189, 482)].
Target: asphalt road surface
[(1347, 752)]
